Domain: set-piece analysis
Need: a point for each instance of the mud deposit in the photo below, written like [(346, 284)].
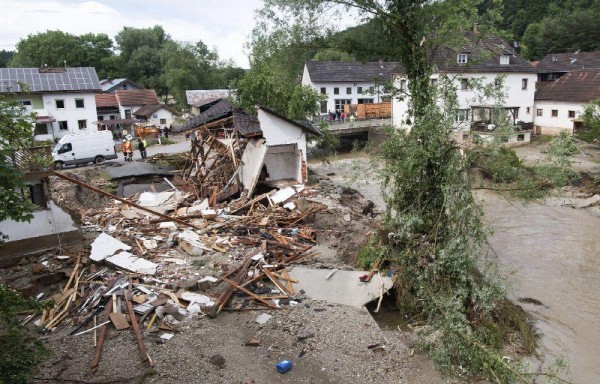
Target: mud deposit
[(554, 254)]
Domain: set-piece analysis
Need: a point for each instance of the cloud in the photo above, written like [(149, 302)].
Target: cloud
[(223, 24)]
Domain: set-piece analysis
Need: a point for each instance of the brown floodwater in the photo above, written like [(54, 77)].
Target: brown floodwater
[(554, 256)]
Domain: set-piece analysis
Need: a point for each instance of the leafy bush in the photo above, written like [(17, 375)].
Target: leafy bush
[(501, 163), (20, 353)]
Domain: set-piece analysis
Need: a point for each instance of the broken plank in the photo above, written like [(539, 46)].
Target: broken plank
[(254, 296), (119, 321)]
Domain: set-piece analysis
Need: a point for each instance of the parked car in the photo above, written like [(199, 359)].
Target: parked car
[(83, 149)]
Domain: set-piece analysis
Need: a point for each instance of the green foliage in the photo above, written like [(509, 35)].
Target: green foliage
[(331, 54), (591, 121), (15, 134), (372, 252), (5, 57), (55, 47), (20, 353), (500, 163)]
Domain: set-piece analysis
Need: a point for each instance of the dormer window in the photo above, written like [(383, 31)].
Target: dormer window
[(462, 58), (505, 59)]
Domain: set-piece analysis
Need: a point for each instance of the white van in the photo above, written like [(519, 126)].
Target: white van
[(84, 148)]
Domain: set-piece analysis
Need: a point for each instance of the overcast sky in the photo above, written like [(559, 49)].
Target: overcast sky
[(223, 24)]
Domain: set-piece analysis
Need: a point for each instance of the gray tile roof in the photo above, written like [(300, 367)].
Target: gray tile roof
[(566, 62), (350, 72), (79, 79), (483, 57), (245, 123), (581, 85)]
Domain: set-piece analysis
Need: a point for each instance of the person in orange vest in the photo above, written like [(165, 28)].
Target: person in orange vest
[(129, 148), (124, 148)]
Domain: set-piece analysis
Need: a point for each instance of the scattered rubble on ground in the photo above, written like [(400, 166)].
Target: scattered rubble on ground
[(143, 273)]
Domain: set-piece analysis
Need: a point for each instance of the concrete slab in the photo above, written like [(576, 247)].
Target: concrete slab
[(343, 287)]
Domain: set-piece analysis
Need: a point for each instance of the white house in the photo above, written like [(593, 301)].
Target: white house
[(113, 85), (559, 104), (62, 98), (157, 114), (480, 62), (348, 82)]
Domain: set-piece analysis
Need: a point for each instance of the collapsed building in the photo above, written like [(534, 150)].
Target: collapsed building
[(233, 150)]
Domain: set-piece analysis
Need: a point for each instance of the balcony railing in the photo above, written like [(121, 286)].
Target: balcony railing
[(33, 159)]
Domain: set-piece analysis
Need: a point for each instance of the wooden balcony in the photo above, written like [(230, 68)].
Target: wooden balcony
[(34, 162)]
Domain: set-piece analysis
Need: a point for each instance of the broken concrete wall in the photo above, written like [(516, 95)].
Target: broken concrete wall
[(277, 132), (47, 229), (252, 162), (284, 162)]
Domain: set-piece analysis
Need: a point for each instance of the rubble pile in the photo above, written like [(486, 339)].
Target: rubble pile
[(142, 272)]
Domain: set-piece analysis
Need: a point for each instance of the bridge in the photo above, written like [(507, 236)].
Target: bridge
[(348, 128)]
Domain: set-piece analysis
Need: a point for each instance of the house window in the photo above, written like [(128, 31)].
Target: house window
[(462, 58), (324, 106), (540, 112), (348, 90), (365, 101), (497, 83), (336, 91), (528, 110), (41, 129), (163, 121), (79, 103), (82, 124), (462, 115), (124, 87), (372, 90), (521, 137), (155, 115), (112, 117), (555, 113), (524, 84), (323, 90), (359, 90), (464, 84), (128, 113), (571, 114), (63, 126), (434, 82), (60, 104), (504, 59), (339, 103), (403, 85), (100, 118), (26, 104)]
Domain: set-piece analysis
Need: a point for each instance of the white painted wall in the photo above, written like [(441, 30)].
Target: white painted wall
[(284, 162), (277, 132), (554, 125), (515, 96), (353, 96), (70, 113), (162, 114), (44, 222), (131, 108)]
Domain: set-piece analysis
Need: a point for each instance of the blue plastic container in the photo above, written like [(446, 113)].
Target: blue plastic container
[(284, 366)]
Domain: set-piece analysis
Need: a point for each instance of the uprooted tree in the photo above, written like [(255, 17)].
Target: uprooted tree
[(437, 241)]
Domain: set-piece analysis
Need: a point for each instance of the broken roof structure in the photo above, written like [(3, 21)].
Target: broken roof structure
[(233, 150)]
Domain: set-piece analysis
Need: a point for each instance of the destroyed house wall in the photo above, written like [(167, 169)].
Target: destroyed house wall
[(278, 132), (284, 162)]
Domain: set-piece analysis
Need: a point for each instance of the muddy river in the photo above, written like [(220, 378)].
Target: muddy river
[(553, 254), (549, 253)]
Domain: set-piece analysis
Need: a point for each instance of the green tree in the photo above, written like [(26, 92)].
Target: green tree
[(332, 54), (54, 48), (140, 55), (436, 235), (5, 57), (15, 135)]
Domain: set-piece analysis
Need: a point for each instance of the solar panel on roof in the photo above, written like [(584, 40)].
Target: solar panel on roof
[(73, 79)]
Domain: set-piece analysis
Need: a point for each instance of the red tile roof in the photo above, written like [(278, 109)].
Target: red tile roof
[(576, 86), (137, 97), (105, 100)]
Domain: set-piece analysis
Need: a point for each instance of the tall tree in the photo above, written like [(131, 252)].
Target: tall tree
[(57, 48), (5, 57), (436, 233)]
